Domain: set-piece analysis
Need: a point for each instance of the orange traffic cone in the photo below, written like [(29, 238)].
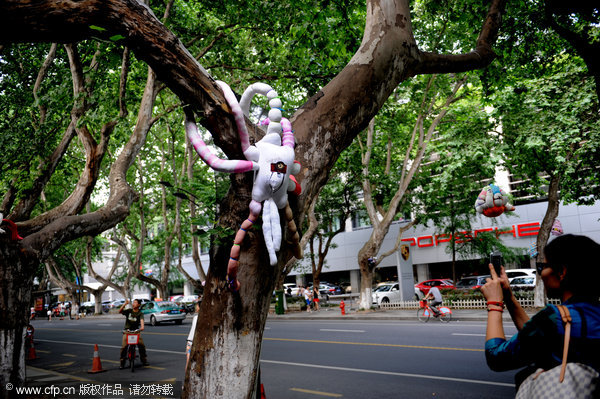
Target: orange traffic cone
[(97, 364), (262, 392), (31, 355)]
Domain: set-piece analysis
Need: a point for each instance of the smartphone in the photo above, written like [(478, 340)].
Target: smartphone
[(496, 260)]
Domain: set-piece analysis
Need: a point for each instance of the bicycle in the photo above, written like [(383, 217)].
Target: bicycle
[(424, 313), (133, 337)]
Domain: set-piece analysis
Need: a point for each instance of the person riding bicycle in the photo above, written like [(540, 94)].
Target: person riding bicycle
[(435, 296), (134, 321)]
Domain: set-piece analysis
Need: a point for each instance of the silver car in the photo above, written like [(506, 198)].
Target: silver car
[(162, 311)]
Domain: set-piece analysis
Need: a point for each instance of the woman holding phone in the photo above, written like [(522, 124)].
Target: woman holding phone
[(571, 272)]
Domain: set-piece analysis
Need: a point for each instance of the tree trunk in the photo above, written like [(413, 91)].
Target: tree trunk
[(539, 298), (366, 289), (226, 348), (16, 280)]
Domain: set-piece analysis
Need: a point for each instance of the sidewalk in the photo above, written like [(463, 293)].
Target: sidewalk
[(334, 313)]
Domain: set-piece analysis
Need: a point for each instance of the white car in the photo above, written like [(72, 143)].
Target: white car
[(514, 273), (523, 283), (386, 293), (294, 289), (188, 299)]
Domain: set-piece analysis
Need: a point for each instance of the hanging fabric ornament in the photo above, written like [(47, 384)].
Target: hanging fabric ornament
[(533, 252), (492, 201), (557, 229)]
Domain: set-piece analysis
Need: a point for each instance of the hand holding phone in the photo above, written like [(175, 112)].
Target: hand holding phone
[(497, 261)]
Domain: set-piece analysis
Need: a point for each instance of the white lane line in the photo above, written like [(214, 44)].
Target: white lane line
[(106, 346), (334, 330), (476, 335), (503, 384), (104, 325)]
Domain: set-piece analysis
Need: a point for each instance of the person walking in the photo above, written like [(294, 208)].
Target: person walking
[(316, 299), (571, 273), (307, 299)]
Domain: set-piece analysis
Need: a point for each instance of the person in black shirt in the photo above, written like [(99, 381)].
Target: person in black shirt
[(134, 321)]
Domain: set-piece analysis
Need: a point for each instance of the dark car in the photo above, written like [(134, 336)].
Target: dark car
[(471, 282), (106, 306)]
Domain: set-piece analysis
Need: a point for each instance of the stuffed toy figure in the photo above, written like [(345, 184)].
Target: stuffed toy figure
[(12, 227), (271, 159), (557, 229), (492, 201)]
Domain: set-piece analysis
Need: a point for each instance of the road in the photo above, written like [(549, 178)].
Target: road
[(300, 358)]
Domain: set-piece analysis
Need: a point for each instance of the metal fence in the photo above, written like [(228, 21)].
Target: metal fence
[(461, 304)]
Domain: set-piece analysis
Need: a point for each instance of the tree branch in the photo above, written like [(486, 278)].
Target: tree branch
[(478, 58)]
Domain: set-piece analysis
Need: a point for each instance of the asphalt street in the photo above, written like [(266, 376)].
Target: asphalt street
[(311, 358)]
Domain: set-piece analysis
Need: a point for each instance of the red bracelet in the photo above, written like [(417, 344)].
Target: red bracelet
[(501, 304), (495, 310)]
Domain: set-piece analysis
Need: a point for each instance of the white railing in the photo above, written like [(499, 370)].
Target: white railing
[(460, 304)]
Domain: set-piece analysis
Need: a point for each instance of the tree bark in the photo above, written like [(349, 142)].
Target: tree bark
[(16, 279), (539, 299)]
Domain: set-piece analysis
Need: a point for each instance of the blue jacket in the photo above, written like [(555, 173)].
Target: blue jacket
[(540, 341)]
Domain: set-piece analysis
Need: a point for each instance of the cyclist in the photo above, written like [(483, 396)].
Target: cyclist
[(134, 321), (436, 299)]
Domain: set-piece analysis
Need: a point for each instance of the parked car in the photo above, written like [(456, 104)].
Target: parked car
[(523, 283), (386, 293), (188, 299), (291, 289), (87, 307), (162, 311), (106, 306), (175, 298), (441, 283), (514, 273), (471, 282), (116, 304)]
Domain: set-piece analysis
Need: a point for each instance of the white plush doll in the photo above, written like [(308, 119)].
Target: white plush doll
[(492, 201), (271, 159)]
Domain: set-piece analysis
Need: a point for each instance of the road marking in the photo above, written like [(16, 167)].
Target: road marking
[(502, 384), (45, 371), (106, 346), (42, 351), (314, 341), (334, 330), (62, 364), (104, 325), (68, 355), (333, 395), (110, 361), (154, 367), (105, 331), (476, 335)]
